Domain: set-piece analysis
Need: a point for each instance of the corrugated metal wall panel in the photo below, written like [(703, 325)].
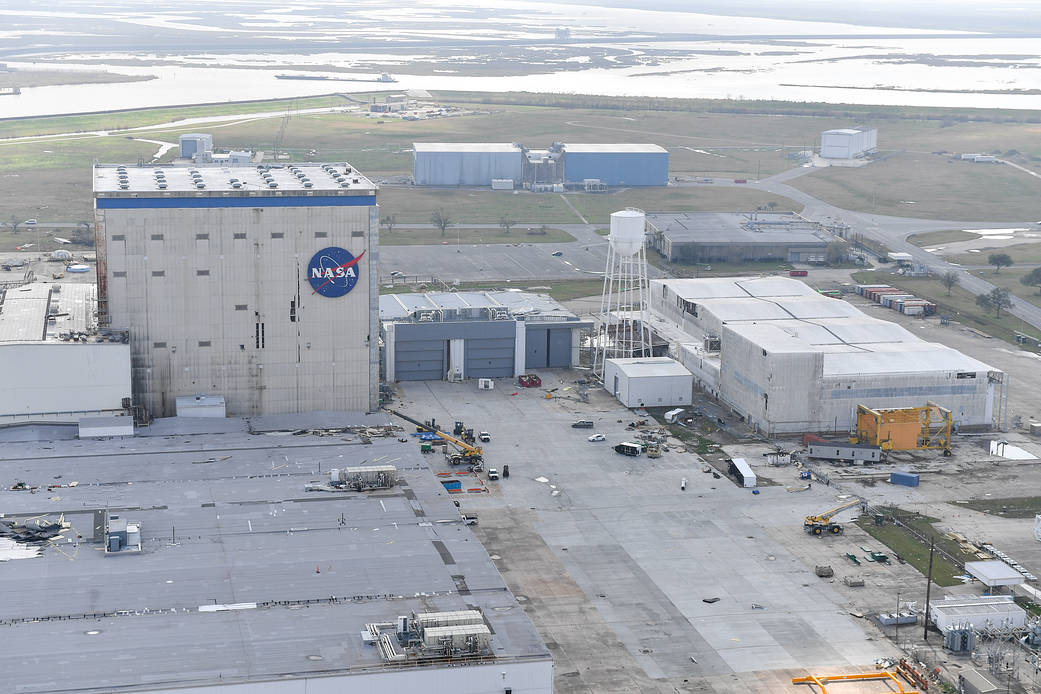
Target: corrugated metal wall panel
[(465, 168), (618, 168), (489, 358), (536, 352), (559, 348)]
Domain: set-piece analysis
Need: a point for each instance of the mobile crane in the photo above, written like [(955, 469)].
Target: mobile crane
[(821, 523), (468, 454)]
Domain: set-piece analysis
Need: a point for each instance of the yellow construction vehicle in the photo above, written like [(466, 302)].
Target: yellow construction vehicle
[(467, 454), (820, 523)]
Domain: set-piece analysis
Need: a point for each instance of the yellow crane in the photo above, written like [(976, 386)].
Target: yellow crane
[(467, 454), (820, 523)]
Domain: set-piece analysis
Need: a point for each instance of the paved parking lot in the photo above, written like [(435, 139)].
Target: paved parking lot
[(615, 561)]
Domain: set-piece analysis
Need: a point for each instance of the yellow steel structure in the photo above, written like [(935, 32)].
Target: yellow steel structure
[(820, 680), (904, 428)]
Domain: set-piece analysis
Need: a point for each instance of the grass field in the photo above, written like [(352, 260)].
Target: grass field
[(910, 548), (453, 235), (710, 142), (1021, 253), (597, 207), (938, 187), (413, 205), (961, 305), (47, 78), (1011, 507), (933, 238), (561, 290)]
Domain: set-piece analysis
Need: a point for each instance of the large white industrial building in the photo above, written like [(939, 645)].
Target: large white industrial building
[(55, 366), (252, 283), (848, 143), (787, 359)]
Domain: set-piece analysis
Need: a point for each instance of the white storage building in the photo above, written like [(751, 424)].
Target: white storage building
[(466, 163), (789, 360), (848, 143), (981, 611), (648, 381), (55, 365)]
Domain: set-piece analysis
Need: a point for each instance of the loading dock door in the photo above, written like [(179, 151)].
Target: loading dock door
[(420, 360), (559, 350), (536, 348), (490, 357)]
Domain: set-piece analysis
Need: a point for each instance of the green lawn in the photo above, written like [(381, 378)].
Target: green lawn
[(1011, 507), (961, 305), (933, 238), (910, 548), (423, 237), (414, 205), (938, 187), (1021, 253), (597, 207)]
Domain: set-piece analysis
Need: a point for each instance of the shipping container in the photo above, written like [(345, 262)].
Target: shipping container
[(797, 273), (907, 479)]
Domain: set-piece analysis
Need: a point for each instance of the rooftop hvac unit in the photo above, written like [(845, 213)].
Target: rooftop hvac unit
[(485, 384), (712, 343), (427, 620)]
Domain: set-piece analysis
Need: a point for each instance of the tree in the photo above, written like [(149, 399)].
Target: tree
[(950, 280), (1000, 298), (984, 302), (837, 252), (506, 223), (999, 260), (1032, 279), (441, 220), (389, 221)]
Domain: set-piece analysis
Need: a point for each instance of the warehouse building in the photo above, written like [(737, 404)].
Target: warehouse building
[(56, 365), (460, 335), (466, 163), (707, 237), (347, 594), (252, 283), (848, 143), (570, 165), (648, 381), (617, 164), (786, 359)]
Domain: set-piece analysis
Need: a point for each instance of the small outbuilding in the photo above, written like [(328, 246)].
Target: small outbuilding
[(982, 611), (649, 381), (742, 472), (994, 573)]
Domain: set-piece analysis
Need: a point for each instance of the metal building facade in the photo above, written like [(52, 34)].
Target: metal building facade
[(212, 281), (617, 164), (423, 350), (466, 163), (848, 143)]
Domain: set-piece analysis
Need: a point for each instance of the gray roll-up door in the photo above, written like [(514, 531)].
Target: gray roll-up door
[(536, 348), (559, 352), (490, 357), (420, 360)]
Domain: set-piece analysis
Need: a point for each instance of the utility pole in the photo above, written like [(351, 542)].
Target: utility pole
[(928, 587)]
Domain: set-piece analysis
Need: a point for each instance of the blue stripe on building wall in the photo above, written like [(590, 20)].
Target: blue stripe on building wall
[(212, 202)]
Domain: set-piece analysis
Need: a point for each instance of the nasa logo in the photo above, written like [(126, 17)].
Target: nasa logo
[(333, 271)]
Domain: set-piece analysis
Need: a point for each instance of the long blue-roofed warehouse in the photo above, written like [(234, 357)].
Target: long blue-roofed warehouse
[(617, 164)]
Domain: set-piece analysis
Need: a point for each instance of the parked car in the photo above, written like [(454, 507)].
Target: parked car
[(629, 448), (493, 474), (557, 254), (597, 437), (484, 436), (469, 518), (583, 424)]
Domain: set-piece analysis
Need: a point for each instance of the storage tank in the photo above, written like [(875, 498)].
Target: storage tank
[(627, 231)]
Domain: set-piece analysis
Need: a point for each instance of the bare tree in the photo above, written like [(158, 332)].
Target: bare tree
[(984, 302), (1032, 279), (1000, 298), (389, 221), (441, 220), (506, 223), (950, 280)]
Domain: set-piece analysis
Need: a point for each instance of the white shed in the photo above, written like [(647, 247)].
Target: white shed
[(981, 611), (201, 406), (740, 469), (994, 573), (95, 427), (649, 381)]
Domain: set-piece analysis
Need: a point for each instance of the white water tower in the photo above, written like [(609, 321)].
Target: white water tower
[(623, 332)]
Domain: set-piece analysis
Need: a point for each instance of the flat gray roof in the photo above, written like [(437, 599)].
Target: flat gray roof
[(24, 311), (521, 305), (736, 227), (498, 147), (221, 178), (624, 147), (225, 522)]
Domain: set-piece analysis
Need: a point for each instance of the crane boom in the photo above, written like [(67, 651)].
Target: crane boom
[(469, 452)]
